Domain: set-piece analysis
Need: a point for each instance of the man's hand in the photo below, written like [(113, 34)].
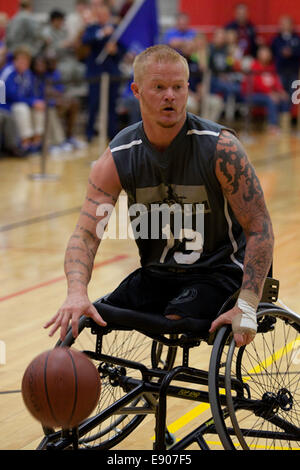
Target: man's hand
[(241, 339), (72, 309)]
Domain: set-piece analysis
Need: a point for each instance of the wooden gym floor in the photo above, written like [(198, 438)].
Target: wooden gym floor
[(36, 220)]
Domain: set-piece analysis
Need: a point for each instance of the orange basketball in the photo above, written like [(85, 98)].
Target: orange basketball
[(61, 387)]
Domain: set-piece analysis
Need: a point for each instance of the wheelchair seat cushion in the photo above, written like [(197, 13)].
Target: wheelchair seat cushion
[(150, 323)]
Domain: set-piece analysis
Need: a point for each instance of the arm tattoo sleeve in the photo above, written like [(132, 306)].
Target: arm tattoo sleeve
[(243, 191)]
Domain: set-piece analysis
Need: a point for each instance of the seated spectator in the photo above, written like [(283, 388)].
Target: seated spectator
[(23, 30), (74, 22), (27, 110), (286, 52), (224, 81), (201, 100), (57, 41), (128, 106), (264, 88), (182, 33), (234, 51), (245, 30), (65, 109), (8, 135), (8, 130), (200, 50)]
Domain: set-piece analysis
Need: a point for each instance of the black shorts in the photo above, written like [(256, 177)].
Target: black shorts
[(186, 295)]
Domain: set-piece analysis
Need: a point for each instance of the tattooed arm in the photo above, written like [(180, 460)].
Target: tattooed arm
[(103, 188), (243, 191)]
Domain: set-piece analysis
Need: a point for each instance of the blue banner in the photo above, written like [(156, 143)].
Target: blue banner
[(138, 29)]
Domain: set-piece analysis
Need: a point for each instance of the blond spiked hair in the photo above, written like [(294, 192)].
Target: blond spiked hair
[(160, 53)]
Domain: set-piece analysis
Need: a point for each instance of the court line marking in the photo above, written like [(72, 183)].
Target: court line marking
[(40, 218), (202, 407), (60, 278)]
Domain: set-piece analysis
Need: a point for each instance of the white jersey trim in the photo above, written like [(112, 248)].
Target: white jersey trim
[(126, 146), (231, 237), (195, 131)]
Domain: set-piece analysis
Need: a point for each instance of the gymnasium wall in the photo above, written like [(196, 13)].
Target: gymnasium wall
[(10, 7), (264, 14)]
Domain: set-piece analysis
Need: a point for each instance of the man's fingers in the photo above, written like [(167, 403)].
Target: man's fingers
[(51, 321), (242, 339), (94, 314), (62, 320), (221, 320), (64, 324)]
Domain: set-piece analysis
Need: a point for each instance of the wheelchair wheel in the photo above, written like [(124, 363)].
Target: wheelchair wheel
[(264, 411), (124, 344)]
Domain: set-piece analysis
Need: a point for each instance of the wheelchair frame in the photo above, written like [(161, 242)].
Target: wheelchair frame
[(155, 393)]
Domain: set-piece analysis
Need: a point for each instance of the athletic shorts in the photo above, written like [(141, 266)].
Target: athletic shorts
[(185, 295)]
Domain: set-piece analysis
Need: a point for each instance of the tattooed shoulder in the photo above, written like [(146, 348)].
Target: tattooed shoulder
[(101, 191), (234, 169)]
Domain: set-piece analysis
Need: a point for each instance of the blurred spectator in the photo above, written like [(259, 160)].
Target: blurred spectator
[(182, 33), (234, 50), (97, 36), (224, 81), (57, 41), (286, 53), (4, 62), (23, 30), (74, 22), (66, 107), (27, 110), (3, 25), (200, 50), (128, 106), (8, 129), (62, 108), (245, 30), (200, 100), (125, 8), (263, 88)]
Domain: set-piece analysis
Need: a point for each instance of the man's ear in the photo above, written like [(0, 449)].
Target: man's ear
[(135, 89)]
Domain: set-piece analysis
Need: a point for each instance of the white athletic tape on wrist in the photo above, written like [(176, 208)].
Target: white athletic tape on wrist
[(246, 322), (248, 319)]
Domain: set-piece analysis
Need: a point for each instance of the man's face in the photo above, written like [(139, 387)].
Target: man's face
[(163, 93), (241, 14), (182, 22), (58, 23), (22, 63)]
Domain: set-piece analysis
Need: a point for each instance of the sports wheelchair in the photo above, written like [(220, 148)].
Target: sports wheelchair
[(252, 391)]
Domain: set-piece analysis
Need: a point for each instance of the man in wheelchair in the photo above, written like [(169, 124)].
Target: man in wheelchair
[(173, 158)]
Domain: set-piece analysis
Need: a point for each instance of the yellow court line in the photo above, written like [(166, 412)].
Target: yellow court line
[(187, 417), (271, 359), (199, 409)]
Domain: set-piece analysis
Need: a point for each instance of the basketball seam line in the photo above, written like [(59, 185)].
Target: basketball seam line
[(76, 384), (46, 388)]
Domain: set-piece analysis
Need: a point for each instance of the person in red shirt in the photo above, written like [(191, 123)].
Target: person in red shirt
[(263, 87)]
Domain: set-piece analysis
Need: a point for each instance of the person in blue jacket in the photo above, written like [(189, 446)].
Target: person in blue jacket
[(97, 36), (27, 109)]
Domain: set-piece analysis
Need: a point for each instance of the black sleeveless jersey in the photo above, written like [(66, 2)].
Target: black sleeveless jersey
[(182, 178)]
